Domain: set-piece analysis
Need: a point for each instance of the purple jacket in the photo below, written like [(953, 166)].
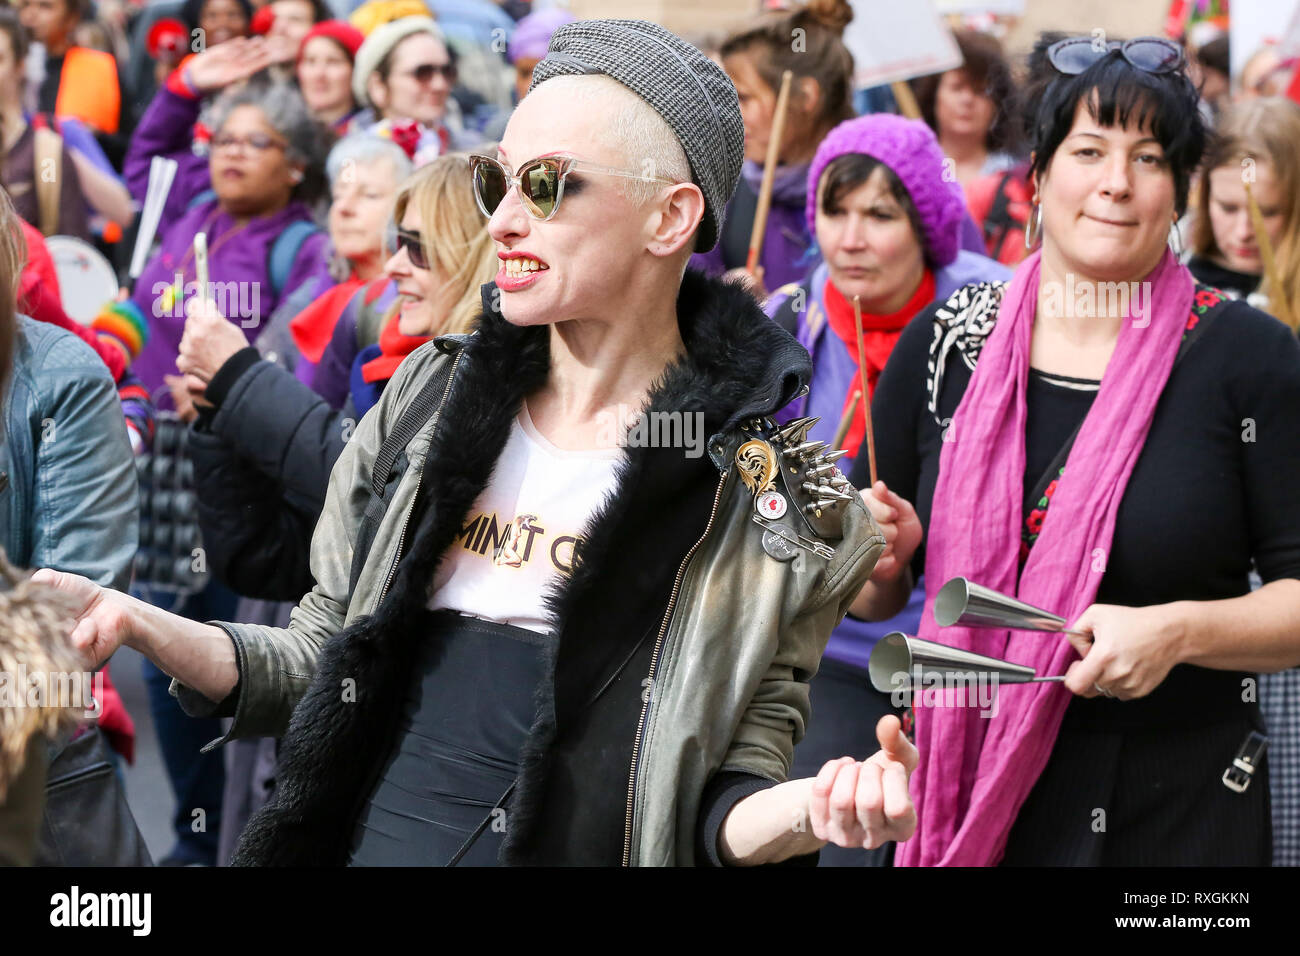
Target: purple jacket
[(834, 373), (167, 129), (239, 269), (331, 378), (788, 250)]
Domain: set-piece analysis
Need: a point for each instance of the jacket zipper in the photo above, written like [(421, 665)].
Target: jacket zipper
[(654, 663), (419, 479)]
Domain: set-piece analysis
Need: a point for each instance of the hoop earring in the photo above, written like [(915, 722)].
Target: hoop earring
[(1176, 240), (1034, 227)]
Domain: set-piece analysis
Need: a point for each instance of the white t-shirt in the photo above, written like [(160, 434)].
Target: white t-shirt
[(519, 536)]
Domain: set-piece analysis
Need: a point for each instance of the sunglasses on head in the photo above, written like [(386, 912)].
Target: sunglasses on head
[(1149, 54), (425, 72), (412, 242), (540, 182)]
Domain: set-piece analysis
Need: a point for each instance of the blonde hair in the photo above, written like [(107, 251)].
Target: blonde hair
[(1266, 131), (454, 234), (35, 624)]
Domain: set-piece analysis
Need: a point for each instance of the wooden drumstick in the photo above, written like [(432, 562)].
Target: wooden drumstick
[(905, 99), (769, 173), (846, 420), (862, 378)]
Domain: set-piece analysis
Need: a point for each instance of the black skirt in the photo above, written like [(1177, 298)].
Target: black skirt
[(1145, 797), (467, 713)]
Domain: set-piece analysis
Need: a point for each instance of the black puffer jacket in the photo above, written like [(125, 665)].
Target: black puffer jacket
[(262, 462)]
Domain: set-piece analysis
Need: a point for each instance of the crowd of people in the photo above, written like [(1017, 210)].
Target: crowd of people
[(363, 472)]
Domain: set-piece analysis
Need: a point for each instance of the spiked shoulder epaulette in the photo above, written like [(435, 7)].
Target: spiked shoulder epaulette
[(787, 474)]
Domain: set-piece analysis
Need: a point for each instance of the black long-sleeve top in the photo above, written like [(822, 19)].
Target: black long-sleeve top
[(1215, 489)]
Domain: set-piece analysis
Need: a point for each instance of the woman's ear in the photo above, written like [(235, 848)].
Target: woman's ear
[(377, 92), (806, 94), (677, 217)]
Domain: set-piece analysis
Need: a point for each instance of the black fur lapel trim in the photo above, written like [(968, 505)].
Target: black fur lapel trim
[(737, 365)]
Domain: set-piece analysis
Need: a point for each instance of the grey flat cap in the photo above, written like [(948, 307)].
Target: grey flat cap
[(691, 92)]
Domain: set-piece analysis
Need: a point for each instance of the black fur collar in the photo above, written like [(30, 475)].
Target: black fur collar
[(738, 365)]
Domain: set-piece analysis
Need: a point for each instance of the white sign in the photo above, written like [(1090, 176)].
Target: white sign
[(1254, 23), (898, 41), (1014, 8)]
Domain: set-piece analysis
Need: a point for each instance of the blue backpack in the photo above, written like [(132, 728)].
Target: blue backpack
[(285, 249)]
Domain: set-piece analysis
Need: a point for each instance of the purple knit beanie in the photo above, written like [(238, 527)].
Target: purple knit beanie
[(910, 149), (533, 33)]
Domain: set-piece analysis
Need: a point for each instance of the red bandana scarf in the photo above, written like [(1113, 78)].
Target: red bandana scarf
[(393, 347), (879, 335)]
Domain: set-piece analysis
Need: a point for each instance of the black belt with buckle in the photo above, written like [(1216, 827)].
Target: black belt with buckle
[(1249, 754)]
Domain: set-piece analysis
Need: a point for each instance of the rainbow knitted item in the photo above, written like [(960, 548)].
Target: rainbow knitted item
[(138, 410), (123, 326)]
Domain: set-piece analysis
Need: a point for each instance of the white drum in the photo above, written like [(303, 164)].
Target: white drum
[(86, 279)]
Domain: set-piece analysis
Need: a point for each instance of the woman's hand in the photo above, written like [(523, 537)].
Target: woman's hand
[(219, 66), (181, 398), (901, 527), (200, 656), (209, 340), (1132, 650), (863, 805), (104, 618), (850, 804)]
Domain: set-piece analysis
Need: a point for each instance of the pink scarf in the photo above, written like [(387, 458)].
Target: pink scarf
[(975, 772)]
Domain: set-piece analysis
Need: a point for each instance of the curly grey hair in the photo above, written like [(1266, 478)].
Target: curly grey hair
[(286, 112)]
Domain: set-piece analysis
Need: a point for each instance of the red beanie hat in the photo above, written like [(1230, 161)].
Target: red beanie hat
[(344, 34), (168, 40)]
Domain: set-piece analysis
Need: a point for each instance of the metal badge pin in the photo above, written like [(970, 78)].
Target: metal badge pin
[(770, 504), (778, 547), (757, 464), (794, 538)]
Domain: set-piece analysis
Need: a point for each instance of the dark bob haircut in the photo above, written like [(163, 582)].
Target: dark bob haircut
[(846, 173), (989, 72), (1115, 94)]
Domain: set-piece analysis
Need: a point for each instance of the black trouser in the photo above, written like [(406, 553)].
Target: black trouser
[(845, 711)]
